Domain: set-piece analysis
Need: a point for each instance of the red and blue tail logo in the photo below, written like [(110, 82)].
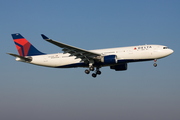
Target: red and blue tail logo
[(24, 47)]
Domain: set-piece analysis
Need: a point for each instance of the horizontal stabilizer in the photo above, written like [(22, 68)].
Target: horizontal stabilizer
[(21, 57)]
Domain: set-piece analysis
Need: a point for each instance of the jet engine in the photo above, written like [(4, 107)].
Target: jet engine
[(110, 59), (120, 67)]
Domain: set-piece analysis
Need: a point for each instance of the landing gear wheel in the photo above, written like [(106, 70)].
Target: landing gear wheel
[(94, 75), (87, 71), (91, 68), (98, 72), (155, 65)]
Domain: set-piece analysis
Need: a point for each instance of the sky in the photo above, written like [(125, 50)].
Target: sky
[(143, 92)]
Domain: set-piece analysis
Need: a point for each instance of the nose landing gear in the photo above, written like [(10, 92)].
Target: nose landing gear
[(155, 64)]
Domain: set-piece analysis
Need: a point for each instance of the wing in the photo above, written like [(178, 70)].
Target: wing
[(73, 51)]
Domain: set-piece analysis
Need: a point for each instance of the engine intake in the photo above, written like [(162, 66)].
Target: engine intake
[(110, 59)]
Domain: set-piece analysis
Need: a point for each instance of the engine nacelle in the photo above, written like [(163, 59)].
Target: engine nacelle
[(120, 67), (110, 59)]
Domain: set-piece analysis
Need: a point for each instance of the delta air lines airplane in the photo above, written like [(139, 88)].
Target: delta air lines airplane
[(116, 58)]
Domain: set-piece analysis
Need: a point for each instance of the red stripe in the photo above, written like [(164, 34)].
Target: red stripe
[(26, 48), (26, 45), (21, 41), (19, 50)]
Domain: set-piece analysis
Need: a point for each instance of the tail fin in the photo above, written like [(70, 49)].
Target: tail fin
[(24, 47)]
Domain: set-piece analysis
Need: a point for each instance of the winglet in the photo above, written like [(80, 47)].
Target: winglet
[(44, 37)]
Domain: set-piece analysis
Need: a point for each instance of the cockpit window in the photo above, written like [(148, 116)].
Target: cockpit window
[(165, 48)]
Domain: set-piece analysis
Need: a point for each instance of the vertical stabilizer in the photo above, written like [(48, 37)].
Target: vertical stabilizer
[(24, 47)]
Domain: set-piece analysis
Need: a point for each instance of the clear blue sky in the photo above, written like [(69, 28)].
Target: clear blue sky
[(29, 92)]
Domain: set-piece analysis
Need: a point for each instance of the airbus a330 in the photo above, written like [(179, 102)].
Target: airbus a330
[(72, 57)]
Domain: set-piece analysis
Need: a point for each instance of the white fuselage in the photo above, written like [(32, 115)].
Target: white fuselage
[(124, 54)]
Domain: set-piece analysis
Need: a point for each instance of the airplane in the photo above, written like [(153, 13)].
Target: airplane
[(72, 57)]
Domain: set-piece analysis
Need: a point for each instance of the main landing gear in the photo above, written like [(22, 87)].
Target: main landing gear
[(155, 64), (91, 68), (97, 72)]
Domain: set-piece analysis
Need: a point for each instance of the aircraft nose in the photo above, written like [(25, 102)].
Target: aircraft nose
[(171, 51)]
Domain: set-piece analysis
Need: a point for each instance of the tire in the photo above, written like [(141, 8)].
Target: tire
[(155, 65), (87, 71), (98, 72), (94, 75), (91, 68)]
